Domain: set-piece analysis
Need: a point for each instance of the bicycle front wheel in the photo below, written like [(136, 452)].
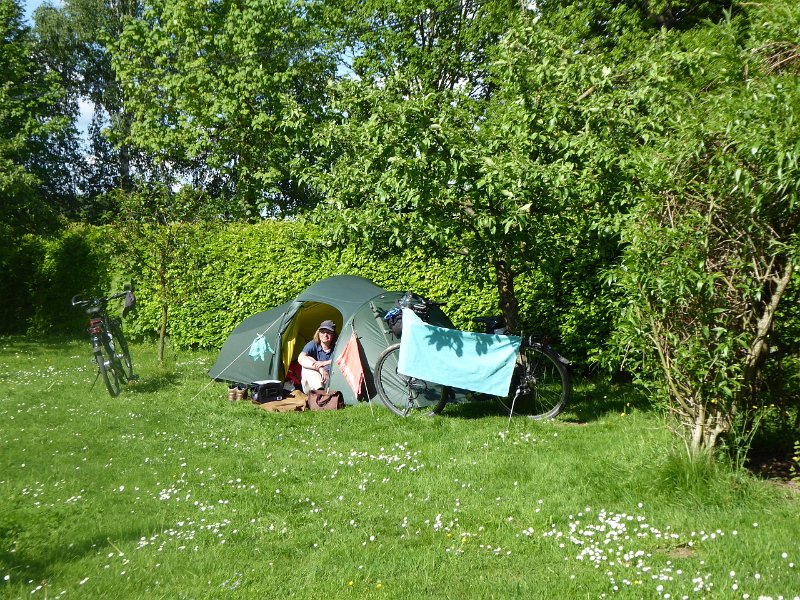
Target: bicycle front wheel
[(406, 395), (540, 386), (121, 348), (105, 364)]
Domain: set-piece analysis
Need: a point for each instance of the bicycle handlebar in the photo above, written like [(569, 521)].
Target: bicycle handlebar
[(79, 300), (410, 298)]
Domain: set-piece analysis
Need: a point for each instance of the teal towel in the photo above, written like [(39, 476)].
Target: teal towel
[(259, 348), (480, 362)]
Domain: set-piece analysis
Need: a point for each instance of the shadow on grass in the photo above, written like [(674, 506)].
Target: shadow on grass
[(38, 560), (155, 382), (33, 344), (593, 399), (42, 566), (475, 409), (590, 400), (772, 453)]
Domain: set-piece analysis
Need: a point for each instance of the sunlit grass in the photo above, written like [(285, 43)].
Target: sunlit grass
[(171, 491)]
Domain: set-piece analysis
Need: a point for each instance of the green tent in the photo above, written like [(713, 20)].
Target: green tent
[(355, 304)]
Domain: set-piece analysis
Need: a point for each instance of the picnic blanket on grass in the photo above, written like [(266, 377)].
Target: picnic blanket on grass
[(479, 362)]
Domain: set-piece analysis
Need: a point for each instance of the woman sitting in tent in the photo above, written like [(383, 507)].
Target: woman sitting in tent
[(316, 357)]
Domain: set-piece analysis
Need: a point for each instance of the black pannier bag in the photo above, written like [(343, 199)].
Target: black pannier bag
[(394, 318), (267, 391)]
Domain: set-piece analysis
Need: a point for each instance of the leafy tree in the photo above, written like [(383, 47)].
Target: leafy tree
[(76, 39), (438, 45), (32, 121), (152, 240), (713, 242), (233, 87), (495, 170)]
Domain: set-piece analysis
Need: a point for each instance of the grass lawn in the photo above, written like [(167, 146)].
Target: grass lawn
[(170, 491)]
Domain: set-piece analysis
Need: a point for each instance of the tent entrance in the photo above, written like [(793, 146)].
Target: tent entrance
[(302, 327)]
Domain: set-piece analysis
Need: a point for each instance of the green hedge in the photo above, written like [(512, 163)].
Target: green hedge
[(223, 273), (230, 273)]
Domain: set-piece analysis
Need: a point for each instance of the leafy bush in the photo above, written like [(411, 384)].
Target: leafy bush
[(237, 270), (74, 263), (19, 259), (41, 274), (711, 243)]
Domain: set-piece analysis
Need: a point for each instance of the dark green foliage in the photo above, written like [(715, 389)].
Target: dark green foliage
[(41, 274), (34, 125), (19, 259), (75, 263)]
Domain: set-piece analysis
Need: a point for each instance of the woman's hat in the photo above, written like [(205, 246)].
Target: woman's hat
[(329, 325)]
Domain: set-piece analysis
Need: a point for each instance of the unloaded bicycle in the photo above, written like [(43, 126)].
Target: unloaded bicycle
[(540, 384), (109, 346)]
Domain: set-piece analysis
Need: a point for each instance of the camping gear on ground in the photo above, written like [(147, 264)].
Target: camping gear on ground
[(354, 304), (294, 402), (325, 400), (267, 391), (237, 392)]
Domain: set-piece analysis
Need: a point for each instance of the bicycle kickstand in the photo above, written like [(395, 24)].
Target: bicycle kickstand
[(96, 377)]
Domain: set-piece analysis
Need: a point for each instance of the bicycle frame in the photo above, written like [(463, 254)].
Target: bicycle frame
[(98, 332), (540, 384)]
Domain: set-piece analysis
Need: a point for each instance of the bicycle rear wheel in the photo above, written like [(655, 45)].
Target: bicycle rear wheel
[(406, 395), (108, 371), (540, 385)]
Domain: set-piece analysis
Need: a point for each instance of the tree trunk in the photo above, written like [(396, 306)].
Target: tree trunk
[(162, 336), (708, 423), (508, 299), (125, 181), (760, 348)]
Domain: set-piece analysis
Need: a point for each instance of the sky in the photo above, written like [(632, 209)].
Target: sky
[(32, 5)]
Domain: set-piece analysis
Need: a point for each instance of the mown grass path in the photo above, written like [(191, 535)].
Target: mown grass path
[(170, 491)]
